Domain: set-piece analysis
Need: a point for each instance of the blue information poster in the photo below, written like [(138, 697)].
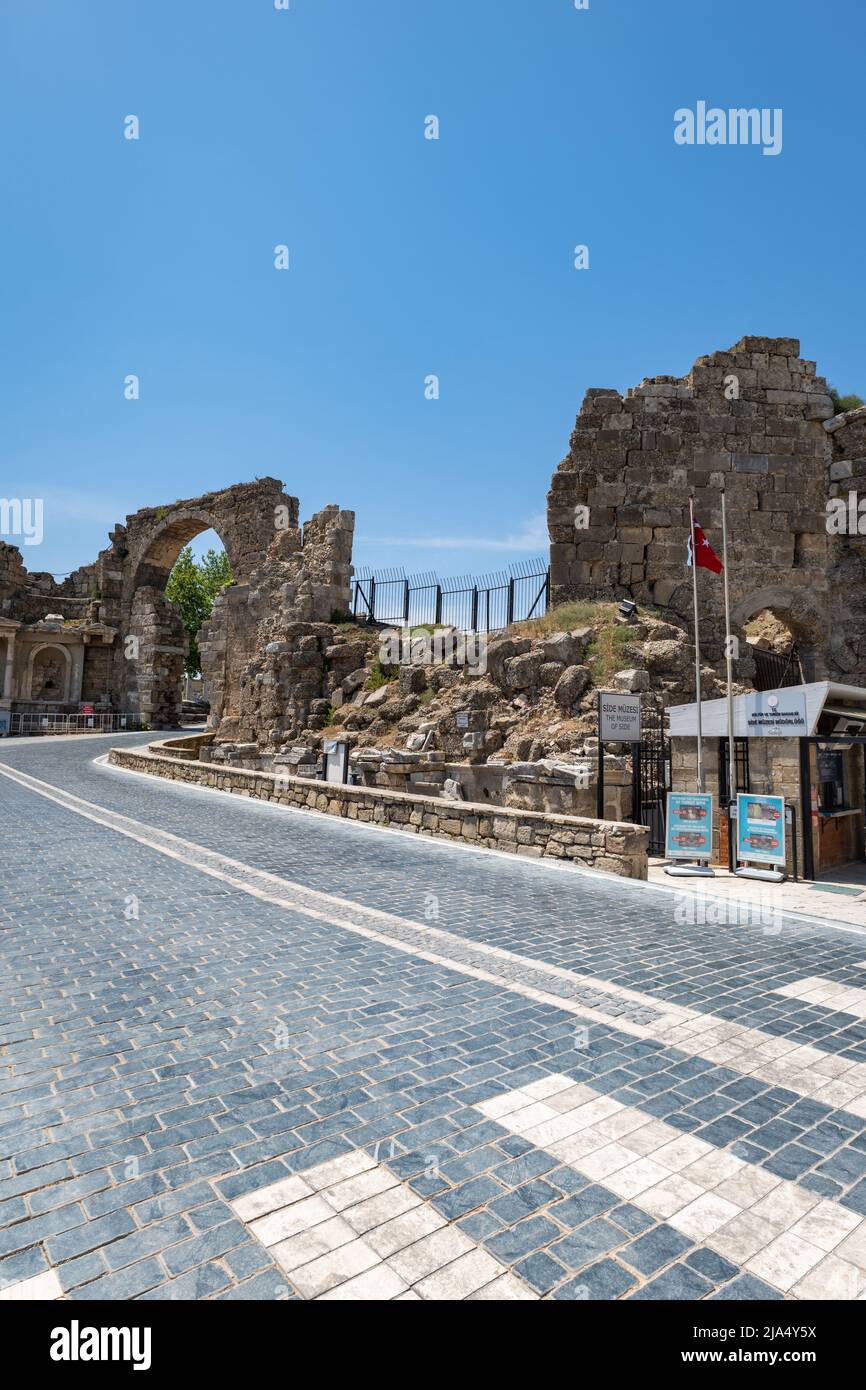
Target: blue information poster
[(761, 829), (689, 825)]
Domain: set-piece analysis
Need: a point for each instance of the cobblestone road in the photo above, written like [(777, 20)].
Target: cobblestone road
[(254, 1053)]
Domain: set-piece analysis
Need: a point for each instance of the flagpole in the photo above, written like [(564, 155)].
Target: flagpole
[(729, 661), (697, 642)]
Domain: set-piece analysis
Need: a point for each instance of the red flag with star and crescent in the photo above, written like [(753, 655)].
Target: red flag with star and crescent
[(707, 557)]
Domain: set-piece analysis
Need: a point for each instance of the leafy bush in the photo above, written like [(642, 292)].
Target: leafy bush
[(380, 675), (193, 585), (843, 403)]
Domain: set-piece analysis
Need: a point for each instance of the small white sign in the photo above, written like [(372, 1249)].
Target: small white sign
[(336, 761), (462, 719), (619, 717), (773, 714)]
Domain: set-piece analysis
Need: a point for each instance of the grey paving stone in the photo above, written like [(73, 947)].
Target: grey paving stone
[(541, 1272), (516, 1241), (748, 1289), (23, 1265), (678, 1282), (655, 1249), (585, 1244), (605, 1280), (89, 1236), (208, 1246), (201, 1282), (153, 1239), (382, 1046), (124, 1283)]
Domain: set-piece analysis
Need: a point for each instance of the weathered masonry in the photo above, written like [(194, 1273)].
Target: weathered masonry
[(758, 420), (107, 635), (609, 845)]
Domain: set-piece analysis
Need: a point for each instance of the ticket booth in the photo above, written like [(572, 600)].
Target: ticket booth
[(805, 743)]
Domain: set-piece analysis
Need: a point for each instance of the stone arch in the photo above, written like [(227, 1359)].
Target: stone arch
[(806, 625), (56, 649), (246, 518), (160, 550)]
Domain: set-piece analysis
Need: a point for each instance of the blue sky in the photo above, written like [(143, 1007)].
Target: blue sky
[(408, 257)]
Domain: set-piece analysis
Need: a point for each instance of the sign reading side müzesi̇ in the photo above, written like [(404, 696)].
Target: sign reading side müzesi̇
[(618, 717)]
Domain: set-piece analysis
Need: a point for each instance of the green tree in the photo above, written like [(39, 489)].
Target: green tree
[(193, 585), (843, 403)]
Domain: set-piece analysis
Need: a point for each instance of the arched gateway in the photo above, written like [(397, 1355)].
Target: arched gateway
[(121, 644)]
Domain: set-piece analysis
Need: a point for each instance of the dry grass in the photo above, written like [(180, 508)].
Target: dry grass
[(605, 653), (565, 617)]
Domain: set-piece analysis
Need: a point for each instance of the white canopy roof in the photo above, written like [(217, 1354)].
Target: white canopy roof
[(796, 711)]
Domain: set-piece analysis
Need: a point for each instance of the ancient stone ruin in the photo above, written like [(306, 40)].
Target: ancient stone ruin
[(107, 635), (758, 420), (284, 674)]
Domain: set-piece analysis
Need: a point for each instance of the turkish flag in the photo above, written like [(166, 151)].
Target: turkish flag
[(707, 557)]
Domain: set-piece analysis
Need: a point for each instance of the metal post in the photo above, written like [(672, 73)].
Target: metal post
[(700, 786), (406, 602), (438, 613), (511, 600), (806, 808), (636, 790), (732, 759), (474, 624), (794, 837), (599, 781)]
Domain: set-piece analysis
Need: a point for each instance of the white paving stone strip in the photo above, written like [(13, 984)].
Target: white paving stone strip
[(350, 1229), (778, 1061), (830, 994), (550, 983), (39, 1288), (801, 1244)]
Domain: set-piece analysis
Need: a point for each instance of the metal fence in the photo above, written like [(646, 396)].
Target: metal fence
[(486, 603), (70, 723), (775, 670)]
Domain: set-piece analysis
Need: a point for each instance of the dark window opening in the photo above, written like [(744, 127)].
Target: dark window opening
[(741, 758), (831, 779)]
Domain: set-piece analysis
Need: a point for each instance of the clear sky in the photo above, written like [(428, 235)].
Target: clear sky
[(407, 257)]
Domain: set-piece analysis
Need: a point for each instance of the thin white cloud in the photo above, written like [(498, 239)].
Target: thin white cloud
[(532, 537)]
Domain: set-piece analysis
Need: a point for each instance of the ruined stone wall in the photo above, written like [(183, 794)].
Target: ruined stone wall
[(847, 573), (609, 845), (283, 573), (756, 420)]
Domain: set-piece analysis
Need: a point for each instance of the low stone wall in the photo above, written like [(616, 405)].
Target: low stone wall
[(187, 748), (614, 846)]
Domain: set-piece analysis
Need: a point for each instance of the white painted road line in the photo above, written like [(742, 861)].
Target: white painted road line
[(806, 1070)]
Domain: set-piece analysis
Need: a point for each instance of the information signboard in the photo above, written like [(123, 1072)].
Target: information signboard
[(772, 714), (618, 717), (761, 829), (336, 760), (689, 826)]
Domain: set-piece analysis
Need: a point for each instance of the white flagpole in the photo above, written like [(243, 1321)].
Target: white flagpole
[(697, 643), (702, 867), (729, 661)]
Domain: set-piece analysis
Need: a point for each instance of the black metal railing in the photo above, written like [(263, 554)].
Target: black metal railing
[(652, 776), (487, 603), (775, 670)]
